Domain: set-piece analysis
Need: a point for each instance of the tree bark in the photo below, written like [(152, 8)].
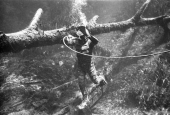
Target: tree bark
[(33, 36)]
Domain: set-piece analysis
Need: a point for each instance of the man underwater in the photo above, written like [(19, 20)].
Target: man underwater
[(84, 43)]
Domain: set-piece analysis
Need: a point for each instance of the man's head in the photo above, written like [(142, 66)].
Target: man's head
[(71, 40)]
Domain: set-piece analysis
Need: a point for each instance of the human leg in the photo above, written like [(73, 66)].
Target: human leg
[(80, 75), (95, 78)]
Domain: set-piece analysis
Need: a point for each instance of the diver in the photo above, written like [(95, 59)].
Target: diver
[(84, 43)]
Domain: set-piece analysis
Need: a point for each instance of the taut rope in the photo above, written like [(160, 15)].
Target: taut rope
[(115, 57)]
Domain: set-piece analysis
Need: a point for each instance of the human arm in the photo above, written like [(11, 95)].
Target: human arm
[(94, 40)]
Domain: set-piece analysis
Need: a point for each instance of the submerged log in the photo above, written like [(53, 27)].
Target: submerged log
[(33, 36)]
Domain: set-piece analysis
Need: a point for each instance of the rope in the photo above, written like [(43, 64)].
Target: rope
[(115, 57)]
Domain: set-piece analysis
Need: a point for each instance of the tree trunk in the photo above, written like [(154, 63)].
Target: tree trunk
[(33, 36)]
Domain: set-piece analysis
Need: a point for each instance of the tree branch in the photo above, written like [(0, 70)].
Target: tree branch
[(36, 19), (32, 36), (124, 25), (140, 12), (92, 22)]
